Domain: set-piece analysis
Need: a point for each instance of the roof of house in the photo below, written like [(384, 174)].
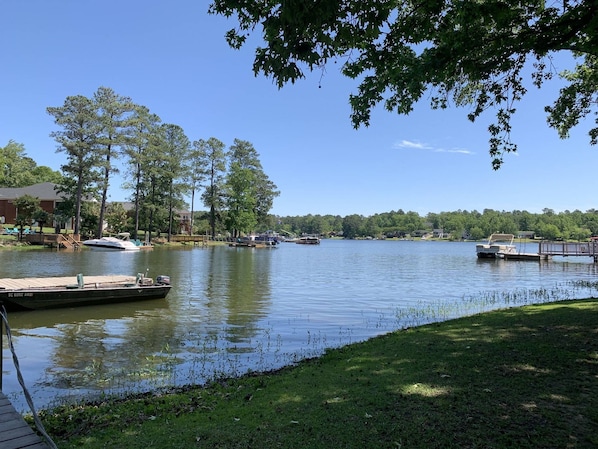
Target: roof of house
[(45, 191)]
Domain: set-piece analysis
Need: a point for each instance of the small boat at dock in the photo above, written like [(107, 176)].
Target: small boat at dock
[(255, 241), (497, 246), (308, 240), (56, 292), (120, 242)]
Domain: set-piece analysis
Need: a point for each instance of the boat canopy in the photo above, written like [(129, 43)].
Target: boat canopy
[(501, 237)]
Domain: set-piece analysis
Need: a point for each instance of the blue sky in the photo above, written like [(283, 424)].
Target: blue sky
[(172, 58)]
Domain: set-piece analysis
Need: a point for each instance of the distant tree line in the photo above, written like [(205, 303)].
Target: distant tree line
[(163, 168), (462, 224)]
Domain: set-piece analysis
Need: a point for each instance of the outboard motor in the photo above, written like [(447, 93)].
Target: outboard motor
[(163, 280)]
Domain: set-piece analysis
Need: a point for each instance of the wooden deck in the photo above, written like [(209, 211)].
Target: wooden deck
[(14, 431), (53, 240), (49, 282)]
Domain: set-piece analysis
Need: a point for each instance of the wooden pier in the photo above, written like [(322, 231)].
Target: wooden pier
[(570, 249), (67, 241), (196, 240), (547, 250), (14, 431), (524, 256)]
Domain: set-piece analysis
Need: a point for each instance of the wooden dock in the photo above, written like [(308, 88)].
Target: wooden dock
[(570, 249), (547, 250), (14, 431), (197, 240), (524, 256)]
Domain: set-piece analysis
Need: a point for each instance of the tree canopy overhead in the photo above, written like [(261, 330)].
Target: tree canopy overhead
[(463, 52)]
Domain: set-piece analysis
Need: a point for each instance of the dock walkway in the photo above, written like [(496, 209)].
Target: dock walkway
[(570, 249), (15, 433), (548, 249)]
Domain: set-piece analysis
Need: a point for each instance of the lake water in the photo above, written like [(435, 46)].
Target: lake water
[(236, 309)]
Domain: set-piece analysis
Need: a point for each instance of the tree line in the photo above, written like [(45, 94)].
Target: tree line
[(162, 168), (458, 225)]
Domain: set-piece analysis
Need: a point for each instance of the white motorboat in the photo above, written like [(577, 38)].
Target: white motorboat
[(497, 246), (120, 242)]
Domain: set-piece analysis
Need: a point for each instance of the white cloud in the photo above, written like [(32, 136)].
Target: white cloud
[(412, 145), (454, 150), (409, 144)]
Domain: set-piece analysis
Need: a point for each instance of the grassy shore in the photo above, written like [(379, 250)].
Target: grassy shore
[(517, 378)]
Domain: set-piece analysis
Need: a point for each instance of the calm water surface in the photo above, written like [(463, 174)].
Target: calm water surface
[(235, 309)]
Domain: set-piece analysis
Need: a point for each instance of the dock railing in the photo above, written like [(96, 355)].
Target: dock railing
[(587, 249)]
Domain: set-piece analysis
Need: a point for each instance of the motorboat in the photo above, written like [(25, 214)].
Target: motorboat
[(497, 246), (121, 242), (56, 292), (255, 241), (308, 240)]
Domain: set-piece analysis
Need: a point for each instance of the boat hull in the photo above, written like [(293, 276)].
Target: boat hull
[(110, 246), (60, 297), (120, 243)]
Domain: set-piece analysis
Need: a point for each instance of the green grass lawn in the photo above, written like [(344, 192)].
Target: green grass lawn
[(517, 378)]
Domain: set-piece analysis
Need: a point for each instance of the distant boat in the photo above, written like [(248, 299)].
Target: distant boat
[(120, 242), (56, 292), (308, 240), (255, 241), (497, 246)]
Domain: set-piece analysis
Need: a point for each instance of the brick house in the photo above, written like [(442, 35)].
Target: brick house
[(45, 192)]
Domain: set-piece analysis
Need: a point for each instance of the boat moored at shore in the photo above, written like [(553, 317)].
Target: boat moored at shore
[(57, 292), (121, 242), (497, 246), (308, 240)]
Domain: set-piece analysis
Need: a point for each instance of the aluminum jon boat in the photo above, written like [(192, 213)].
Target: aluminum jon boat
[(56, 292)]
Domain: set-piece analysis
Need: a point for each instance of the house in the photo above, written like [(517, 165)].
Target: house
[(526, 235), (45, 192)]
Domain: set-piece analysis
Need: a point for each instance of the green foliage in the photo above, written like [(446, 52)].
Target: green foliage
[(19, 170), (174, 149), (27, 207), (117, 218), (78, 138), (212, 156), (140, 152), (114, 114), (466, 52), (249, 191), (474, 225), (41, 217)]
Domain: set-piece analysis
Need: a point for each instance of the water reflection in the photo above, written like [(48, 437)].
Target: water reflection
[(233, 309)]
